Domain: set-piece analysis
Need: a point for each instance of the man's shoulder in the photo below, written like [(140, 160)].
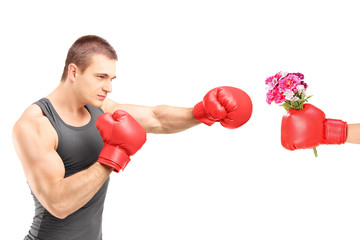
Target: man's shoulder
[(32, 119), (32, 114)]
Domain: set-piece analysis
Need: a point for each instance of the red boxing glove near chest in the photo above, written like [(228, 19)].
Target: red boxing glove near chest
[(123, 136), (230, 106), (308, 128)]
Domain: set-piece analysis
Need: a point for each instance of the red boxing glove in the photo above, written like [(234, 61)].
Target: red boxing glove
[(123, 136), (230, 106), (308, 128)]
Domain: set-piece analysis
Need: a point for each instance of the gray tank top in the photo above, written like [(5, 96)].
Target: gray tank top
[(79, 148)]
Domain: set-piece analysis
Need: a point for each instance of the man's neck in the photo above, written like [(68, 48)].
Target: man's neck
[(65, 97), (68, 105)]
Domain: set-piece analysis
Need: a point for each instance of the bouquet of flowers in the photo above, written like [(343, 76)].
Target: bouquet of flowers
[(288, 90)]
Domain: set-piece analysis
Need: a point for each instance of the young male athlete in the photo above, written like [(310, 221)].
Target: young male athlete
[(71, 141)]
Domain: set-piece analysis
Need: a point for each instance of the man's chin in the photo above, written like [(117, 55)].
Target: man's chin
[(97, 104)]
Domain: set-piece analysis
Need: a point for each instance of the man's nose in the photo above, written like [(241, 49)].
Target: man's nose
[(108, 86)]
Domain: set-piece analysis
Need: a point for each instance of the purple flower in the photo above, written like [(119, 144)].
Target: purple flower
[(304, 84), (299, 75)]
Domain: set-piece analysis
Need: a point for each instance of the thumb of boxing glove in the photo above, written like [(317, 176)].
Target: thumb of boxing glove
[(123, 136)]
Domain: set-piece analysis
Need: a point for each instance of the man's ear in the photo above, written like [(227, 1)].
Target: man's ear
[(72, 72)]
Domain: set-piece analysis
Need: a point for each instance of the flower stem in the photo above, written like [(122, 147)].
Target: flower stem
[(315, 152)]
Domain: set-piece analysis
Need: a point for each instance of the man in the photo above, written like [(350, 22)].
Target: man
[(72, 140)]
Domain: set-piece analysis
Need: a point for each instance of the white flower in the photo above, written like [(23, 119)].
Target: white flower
[(300, 88), (289, 95)]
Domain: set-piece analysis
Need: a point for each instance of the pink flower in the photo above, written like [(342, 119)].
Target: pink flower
[(281, 74), (269, 97), (274, 95), (273, 81), (270, 80), (289, 82)]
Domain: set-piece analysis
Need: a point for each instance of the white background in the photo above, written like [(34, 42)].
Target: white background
[(206, 182)]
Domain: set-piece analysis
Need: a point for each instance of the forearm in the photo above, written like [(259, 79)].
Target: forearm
[(173, 119), (71, 193), (353, 133)]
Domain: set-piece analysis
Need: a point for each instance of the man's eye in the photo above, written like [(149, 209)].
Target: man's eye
[(101, 77)]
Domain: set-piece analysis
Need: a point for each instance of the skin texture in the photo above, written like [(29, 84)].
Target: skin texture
[(36, 141), (353, 133)]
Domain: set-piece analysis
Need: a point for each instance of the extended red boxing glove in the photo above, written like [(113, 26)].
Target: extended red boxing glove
[(230, 106), (308, 128), (123, 136)]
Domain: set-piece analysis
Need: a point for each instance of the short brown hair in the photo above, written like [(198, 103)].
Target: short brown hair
[(83, 49)]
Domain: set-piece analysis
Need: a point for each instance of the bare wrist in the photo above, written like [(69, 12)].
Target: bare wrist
[(105, 167)]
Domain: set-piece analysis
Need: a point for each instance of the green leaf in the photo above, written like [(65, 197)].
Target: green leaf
[(286, 105)]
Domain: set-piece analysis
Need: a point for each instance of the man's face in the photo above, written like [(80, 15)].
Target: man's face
[(95, 82)]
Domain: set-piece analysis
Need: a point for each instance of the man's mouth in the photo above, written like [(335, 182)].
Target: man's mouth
[(102, 97)]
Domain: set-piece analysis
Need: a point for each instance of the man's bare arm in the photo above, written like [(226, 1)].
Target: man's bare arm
[(157, 119), (35, 143)]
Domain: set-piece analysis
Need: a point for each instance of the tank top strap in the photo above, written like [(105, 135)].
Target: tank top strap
[(50, 112), (95, 112)]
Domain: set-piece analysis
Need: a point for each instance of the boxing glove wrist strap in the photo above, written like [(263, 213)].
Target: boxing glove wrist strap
[(335, 131), (200, 114), (114, 157)]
